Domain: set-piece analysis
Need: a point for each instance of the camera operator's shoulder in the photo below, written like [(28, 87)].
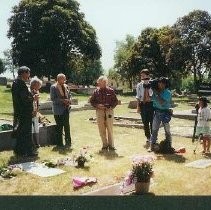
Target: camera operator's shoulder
[(168, 91), (140, 84)]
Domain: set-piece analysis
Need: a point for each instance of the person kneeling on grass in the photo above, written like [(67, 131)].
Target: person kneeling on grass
[(203, 128)]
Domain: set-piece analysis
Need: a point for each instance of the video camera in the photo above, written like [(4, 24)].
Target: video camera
[(153, 83)]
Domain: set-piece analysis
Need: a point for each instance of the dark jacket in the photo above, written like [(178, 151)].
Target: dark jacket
[(22, 99)]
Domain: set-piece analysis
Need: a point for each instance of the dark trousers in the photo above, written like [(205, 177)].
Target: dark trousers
[(147, 113), (62, 121), (24, 145)]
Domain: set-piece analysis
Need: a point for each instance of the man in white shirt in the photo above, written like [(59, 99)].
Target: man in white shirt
[(144, 103)]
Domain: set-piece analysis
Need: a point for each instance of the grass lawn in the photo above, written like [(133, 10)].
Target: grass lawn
[(171, 175)]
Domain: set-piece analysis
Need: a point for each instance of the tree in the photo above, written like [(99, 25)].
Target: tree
[(48, 34), (2, 69), (122, 53), (114, 76), (84, 71), (159, 50), (195, 31), (8, 62)]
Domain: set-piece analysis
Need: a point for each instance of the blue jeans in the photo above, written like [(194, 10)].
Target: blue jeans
[(157, 120)]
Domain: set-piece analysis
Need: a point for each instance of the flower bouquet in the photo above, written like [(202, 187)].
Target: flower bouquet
[(141, 171), (82, 158)]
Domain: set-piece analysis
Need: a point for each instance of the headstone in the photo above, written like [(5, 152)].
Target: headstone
[(46, 137), (3, 81), (204, 89), (132, 104)]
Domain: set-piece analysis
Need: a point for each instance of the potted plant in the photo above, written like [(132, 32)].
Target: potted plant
[(82, 158), (141, 173)]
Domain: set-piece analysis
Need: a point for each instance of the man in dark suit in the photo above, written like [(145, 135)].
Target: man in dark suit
[(23, 110)]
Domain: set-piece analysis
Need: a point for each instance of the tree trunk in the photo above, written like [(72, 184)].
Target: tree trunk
[(13, 73)]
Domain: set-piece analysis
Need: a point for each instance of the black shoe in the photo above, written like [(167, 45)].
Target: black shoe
[(147, 145), (32, 154), (151, 148), (19, 154), (68, 143), (60, 146), (67, 146), (112, 148), (104, 149)]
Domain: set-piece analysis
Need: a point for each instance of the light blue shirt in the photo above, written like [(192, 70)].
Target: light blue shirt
[(166, 96)]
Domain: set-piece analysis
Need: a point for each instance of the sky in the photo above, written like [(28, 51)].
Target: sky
[(114, 19)]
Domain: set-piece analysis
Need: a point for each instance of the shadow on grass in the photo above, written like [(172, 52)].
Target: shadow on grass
[(18, 159), (110, 155), (85, 168), (207, 155), (172, 157), (144, 195), (6, 113), (62, 150), (8, 90)]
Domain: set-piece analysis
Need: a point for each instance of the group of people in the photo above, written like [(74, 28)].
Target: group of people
[(26, 112), (153, 103)]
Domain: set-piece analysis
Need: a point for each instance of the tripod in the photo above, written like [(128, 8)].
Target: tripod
[(197, 143), (195, 123)]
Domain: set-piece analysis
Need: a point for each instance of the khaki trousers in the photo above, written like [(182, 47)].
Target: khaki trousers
[(105, 124)]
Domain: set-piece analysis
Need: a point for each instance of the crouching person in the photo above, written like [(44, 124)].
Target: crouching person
[(104, 100)]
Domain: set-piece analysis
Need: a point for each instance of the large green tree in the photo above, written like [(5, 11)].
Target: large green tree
[(159, 50), (195, 31), (48, 34), (85, 71)]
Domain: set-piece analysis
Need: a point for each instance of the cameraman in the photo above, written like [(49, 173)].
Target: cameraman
[(161, 103), (144, 103)]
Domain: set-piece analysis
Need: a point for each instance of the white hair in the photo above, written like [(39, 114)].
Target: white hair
[(61, 75), (102, 78), (34, 80)]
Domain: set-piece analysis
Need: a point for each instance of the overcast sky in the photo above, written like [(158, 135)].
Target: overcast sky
[(114, 19)]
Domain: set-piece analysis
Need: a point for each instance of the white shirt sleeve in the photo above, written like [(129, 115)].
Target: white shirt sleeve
[(139, 91)]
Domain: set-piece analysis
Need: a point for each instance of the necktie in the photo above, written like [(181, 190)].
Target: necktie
[(63, 89), (146, 95)]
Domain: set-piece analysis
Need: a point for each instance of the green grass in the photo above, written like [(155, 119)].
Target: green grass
[(171, 175), (5, 103)]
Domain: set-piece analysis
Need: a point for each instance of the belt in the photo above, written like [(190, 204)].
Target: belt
[(161, 110), (147, 102)]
